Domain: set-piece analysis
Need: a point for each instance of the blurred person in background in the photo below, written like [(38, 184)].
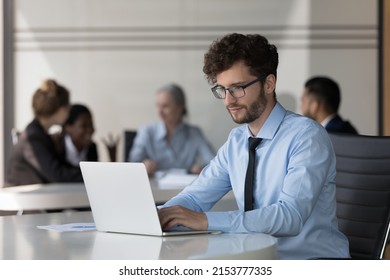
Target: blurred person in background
[(35, 158), (321, 100), (171, 143), (78, 131)]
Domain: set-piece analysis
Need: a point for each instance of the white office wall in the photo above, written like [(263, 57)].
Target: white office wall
[(113, 55), (1, 95)]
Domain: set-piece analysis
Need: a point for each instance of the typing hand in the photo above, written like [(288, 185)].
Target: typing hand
[(179, 215)]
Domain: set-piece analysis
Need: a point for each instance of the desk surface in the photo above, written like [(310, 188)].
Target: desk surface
[(21, 239), (73, 195)]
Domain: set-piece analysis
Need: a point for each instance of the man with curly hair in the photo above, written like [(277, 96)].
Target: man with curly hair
[(293, 179)]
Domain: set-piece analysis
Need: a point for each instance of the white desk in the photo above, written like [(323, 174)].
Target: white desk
[(21, 239), (44, 196), (73, 195)]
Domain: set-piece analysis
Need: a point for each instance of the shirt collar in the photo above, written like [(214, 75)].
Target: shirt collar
[(325, 122), (162, 130), (72, 154), (272, 123)]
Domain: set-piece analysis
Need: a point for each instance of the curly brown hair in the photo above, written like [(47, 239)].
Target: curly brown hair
[(260, 56)]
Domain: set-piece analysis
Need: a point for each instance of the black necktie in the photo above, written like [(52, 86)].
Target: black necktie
[(253, 143)]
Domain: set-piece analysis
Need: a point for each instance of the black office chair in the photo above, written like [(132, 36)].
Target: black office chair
[(129, 139), (363, 192)]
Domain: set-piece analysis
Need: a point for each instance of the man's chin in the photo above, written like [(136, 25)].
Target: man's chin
[(237, 120)]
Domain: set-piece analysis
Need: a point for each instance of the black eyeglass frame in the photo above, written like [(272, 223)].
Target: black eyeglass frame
[(243, 87)]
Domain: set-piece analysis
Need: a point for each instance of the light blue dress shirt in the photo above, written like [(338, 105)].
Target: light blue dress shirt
[(186, 147), (294, 189)]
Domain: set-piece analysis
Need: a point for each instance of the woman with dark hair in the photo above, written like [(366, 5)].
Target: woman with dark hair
[(35, 158), (78, 131)]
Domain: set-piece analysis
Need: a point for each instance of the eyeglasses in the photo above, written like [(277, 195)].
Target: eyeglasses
[(235, 91)]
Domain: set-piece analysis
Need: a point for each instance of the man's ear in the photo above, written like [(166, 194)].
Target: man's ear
[(270, 84), (314, 107)]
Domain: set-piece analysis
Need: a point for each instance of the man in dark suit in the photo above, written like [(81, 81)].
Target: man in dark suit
[(320, 101)]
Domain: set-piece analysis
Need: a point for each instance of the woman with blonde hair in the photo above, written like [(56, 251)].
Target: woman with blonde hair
[(35, 158)]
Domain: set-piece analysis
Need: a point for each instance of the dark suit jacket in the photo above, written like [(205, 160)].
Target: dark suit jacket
[(92, 154), (337, 124), (35, 159)]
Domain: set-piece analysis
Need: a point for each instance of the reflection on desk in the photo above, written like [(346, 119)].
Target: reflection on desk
[(73, 195), (21, 239), (204, 246)]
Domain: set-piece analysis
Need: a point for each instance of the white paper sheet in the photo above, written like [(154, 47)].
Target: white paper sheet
[(70, 227), (175, 181)]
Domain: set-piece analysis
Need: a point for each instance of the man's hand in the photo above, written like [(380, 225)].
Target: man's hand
[(111, 144), (178, 215), (151, 166), (196, 169)]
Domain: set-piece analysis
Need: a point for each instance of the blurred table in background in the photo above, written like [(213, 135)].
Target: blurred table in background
[(73, 195)]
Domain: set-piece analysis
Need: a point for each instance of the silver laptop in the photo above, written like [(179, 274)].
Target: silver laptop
[(121, 199)]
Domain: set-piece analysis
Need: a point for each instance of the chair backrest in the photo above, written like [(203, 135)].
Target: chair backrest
[(129, 139), (15, 134), (363, 192)]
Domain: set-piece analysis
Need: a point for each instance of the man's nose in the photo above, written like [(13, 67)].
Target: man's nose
[(229, 99)]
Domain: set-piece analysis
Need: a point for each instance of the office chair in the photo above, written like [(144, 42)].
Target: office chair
[(363, 192), (129, 139), (15, 134)]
